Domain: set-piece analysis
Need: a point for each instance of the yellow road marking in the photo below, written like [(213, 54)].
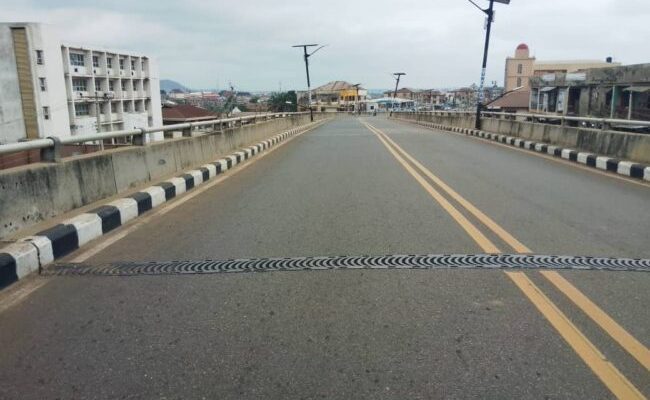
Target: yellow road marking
[(617, 383), (471, 230), (617, 332), (606, 371), (487, 221), (547, 157)]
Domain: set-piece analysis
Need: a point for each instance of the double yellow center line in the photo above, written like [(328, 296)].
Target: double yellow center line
[(617, 383)]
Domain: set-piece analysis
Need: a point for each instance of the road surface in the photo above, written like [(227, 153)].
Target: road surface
[(355, 187)]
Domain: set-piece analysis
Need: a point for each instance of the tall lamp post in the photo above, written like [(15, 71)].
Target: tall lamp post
[(306, 56), (398, 75), (356, 102), (490, 17)]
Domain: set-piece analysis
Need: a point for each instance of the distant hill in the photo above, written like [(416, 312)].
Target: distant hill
[(168, 85)]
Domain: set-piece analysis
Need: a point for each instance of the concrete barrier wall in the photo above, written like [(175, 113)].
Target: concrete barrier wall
[(34, 193), (622, 145)]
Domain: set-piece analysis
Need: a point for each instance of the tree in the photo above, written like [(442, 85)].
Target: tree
[(283, 101)]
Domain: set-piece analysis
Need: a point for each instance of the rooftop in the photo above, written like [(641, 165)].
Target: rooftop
[(334, 86), (185, 112), (513, 99), (574, 62)]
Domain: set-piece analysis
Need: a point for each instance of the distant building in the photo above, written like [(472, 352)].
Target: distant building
[(520, 68), (392, 103), (464, 97), (432, 97), (55, 89), (402, 93), (420, 98), (621, 92), (181, 113), (493, 92), (334, 96)]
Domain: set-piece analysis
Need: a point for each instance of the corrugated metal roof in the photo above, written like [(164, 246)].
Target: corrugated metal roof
[(333, 86), (514, 99), (183, 112)]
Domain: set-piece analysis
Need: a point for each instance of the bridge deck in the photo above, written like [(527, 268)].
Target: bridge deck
[(346, 189)]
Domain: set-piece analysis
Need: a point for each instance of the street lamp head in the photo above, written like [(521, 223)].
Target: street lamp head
[(399, 73), (305, 45), (489, 9)]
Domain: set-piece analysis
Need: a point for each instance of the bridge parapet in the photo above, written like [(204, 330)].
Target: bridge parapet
[(585, 134), (37, 192)]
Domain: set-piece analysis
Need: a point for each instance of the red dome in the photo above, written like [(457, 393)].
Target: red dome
[(522, 46)]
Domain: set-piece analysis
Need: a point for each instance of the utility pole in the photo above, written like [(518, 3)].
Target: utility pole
[(398, 75), (356, 102), (306, 56), (490, 17)]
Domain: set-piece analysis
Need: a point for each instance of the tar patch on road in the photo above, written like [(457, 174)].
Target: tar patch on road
[(425, 262)]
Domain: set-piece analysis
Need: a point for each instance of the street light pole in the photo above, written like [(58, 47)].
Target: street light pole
[(398, 75), (306, 56), (356, 103), (490, 17)]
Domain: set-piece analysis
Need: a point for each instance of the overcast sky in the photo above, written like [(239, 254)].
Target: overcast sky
[(438, 43)]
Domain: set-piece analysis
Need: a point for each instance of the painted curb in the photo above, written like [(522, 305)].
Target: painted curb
[(621, 167), (31, 253)]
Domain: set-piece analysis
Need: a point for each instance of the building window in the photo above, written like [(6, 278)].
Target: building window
[(98, 85), (39, 57), (142, 65), (520, 68), (121, 63), (132, 65), (96, 61), (110, 86), (518, 82), (41, 83), (123, 86), (77, 59), (81, 110), (79, 85), (46, 112), (109, 62)]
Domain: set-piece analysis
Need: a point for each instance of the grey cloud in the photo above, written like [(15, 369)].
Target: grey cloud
[(438, 42)]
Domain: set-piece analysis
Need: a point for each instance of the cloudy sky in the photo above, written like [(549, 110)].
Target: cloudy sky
[(438, 43)]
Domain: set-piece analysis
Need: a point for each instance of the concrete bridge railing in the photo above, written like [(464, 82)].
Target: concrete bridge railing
[(597, 137), (37, 192)]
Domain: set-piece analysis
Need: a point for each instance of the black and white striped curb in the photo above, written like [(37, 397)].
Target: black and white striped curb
[(29, 254), (627, 168)]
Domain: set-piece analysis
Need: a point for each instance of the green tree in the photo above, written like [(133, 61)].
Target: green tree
[(283, 101)]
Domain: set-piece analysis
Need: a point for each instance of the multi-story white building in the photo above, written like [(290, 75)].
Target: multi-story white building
[(48, 88)]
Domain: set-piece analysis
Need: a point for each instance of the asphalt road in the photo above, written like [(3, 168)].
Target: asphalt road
[(394, 334)]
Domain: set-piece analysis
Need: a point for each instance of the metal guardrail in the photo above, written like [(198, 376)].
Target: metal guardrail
[(602, 123), (563, 118), (50, 146)]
